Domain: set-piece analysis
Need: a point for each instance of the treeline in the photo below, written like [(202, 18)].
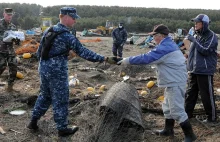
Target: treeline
[(136, 19)]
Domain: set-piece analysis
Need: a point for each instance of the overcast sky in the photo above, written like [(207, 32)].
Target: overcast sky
[(176, 4)]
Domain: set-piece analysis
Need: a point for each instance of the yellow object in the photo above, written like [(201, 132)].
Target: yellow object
[(46, 23), (122, 74), (102, 88), (26, 55), (91, 89), (150, 84), (19, 75), (143, 93), (107, 29), (161, 98)]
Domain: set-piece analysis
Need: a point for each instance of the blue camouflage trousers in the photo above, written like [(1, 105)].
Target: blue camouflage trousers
[(117, 50), (54, 89)]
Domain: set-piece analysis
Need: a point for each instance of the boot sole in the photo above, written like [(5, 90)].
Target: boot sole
[(68, 134)]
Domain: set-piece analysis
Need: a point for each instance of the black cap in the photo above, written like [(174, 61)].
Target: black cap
[(162, 29)]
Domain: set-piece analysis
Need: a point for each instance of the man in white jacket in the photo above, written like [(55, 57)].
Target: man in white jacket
[(171, 74)]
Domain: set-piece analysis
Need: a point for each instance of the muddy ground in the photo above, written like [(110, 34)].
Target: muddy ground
[(85, 112)]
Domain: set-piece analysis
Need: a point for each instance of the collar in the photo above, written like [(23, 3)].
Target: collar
[(62, 27), (5, 23)]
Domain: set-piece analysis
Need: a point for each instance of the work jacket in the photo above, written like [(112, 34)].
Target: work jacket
[(202, 57)]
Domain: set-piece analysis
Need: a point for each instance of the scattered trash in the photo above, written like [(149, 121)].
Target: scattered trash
[(122, 74), (26, 55), (2, 84), (147, 78), (161, 98), (2, 131), (125, 78), (74, 101), (27, 46), (90, 40), (150, 84), (143, 93), (15, 131), (90, 89), (17, 112), (19, 75), (73, 81), (102, 88), (153, 67)]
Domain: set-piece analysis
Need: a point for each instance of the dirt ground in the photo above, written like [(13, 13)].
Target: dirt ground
[(83, 109)]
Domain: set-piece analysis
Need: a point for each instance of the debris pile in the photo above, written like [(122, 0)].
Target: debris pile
[(27, 46)]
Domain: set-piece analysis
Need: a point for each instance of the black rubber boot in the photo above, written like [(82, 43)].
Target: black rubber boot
[(168, 130), (68, 131), (33, 125), (188, 132)]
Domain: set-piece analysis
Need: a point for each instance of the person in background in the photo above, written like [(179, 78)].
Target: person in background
[(7, 53), (119, 36), (53, 70), (201, 65), (191, 31), (171, 74)]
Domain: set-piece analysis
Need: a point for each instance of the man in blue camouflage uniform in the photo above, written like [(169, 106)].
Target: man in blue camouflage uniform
[(7, 53), (54, 87), (119, 36)]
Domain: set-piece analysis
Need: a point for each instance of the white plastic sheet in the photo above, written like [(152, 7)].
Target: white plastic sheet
[(10, 35)]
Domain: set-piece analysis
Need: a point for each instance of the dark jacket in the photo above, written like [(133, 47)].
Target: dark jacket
[(203, 52), (119, 36)]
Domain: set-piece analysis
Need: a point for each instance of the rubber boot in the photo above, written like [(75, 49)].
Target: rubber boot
[(68, 131), (33, 125), (188, 132), (168, 130)]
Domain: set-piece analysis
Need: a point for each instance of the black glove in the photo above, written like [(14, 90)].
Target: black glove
[(34, 55), (190, 38), (113, 60), (16, 41)]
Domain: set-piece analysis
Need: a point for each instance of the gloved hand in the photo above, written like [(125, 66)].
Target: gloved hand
[(34, 55), (123, 61), (113, 60), (190, 38), (16, 41)]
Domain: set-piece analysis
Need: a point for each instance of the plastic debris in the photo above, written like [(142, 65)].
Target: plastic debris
[(17, 112)]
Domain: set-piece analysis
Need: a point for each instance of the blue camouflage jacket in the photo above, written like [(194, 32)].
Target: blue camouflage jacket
[(202, 57), (65, 42), (119, 36)]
